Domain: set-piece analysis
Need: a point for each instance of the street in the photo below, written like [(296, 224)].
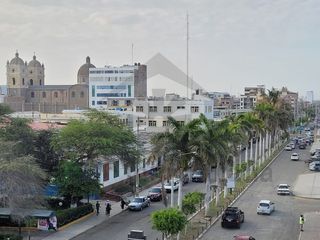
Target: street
[(281, 224)]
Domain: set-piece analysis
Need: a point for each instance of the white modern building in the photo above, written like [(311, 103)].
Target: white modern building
[(116, 86)]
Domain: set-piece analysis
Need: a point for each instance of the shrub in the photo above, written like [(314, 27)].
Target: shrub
[(189, 202), (68, 215)]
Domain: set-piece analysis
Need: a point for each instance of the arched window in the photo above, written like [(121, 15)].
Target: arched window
[(31, 82), (32, 94), (22, 81), (40, 82), (73, 94), (55, 94), (12, 69), (82, 94), (13, 81), (44, 95)]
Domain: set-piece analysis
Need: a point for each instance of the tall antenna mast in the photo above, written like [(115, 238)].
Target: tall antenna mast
[(187, 55), (132, 54)]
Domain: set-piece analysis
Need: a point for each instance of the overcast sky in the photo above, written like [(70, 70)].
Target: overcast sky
[(233, 43)]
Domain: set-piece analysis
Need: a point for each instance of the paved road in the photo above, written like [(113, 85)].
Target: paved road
[(117, 227), (283, 223)]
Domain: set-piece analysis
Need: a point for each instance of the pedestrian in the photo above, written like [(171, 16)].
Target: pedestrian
[(122, 203), (108, 207), (301, 222), (97, 207)]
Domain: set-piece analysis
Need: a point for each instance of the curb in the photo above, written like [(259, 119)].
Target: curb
[(237, 198), (76, 221)]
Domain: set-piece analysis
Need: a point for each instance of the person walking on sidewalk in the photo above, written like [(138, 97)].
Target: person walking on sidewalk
[(97, 207), (108, 207), (122, 203), (301, 222)]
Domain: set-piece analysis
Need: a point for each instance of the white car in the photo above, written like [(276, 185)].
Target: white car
[(288, 147), (175, 186), (283, 189), (265, 207), (314, 166), (295, 157), (293, 145)]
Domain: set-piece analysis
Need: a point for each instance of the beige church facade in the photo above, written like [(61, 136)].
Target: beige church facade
[(27, 91)]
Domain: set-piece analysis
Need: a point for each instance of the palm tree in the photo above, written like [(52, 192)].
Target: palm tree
[(211, 145), (174, 145)]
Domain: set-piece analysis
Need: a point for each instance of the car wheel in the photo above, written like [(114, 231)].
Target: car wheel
[(243, 219), (239, 226), (148, 204), (141, 208), (222, 225)]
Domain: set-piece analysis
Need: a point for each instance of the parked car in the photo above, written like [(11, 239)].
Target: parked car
[(197, 176), (155, 194), (288, 148), (302, 146), (232, 217), (243, 237), (175, 186), (139, 203), (295, 157), (265, 207), (293, 145), (283, 189), (314, 166)]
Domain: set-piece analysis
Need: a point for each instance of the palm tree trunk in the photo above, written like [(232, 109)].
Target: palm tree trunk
[(171, 194), (217, 184), (266, 146), (180, 191), (260, 149), (234, 167), (208, 192), (263, 149), (251, 149), (256, 155), (225, 190), (270, 144), (164, 194), (246, 161), (240, 159)]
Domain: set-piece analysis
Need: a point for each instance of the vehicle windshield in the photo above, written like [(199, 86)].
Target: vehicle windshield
[(198, 172), (282, 186), (294, 154), (264, 205), (155, 190), (137, 200)]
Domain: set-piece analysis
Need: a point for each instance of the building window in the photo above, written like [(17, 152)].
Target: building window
[(12, 69), (106, 172), (152, 123), (13, 81), (165, 123), (144, 163), (194, 109), (31, 82), (44, 95), (40, 82), (73, 94), (93, 90), (116, 169), (125, 168), (115, 103), (181, 123), (93, 103), (32, 94), (167, 109), (153, 109), (82, 94), (128, 102), (129, 90), (101, 102), (30, 72), (139, 108), (132, 167), (180, 107), (22, 81), (55, 94)]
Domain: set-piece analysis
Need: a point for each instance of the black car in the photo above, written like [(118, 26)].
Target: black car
[(155, 194), (232, 217), (302, 146)]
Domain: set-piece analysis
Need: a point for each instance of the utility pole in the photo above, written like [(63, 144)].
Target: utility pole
[(187, 55), (137, 163)]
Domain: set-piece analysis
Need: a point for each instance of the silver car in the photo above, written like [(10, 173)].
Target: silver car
[(138, 203)]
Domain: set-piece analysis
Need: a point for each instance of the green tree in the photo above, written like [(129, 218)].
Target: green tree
[(4, 111), (190, 201), (75, 182), (169, 221)]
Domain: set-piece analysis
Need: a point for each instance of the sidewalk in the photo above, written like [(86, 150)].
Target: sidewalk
[(311, 227), (76, 228), (307, 185)]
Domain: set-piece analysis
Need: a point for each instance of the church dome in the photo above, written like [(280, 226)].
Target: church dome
[(83, 72), (16, 60), (34, 62)]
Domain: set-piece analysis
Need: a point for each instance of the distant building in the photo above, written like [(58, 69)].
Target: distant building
[(27, 91), (116, 87), (292, 99), (251, 96), (309, 96)]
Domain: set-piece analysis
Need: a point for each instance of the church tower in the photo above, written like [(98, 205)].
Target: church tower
[(35, 73), (16, 76)]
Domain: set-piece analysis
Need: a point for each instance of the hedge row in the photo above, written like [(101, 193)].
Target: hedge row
[(10, 237), (68, 215)]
